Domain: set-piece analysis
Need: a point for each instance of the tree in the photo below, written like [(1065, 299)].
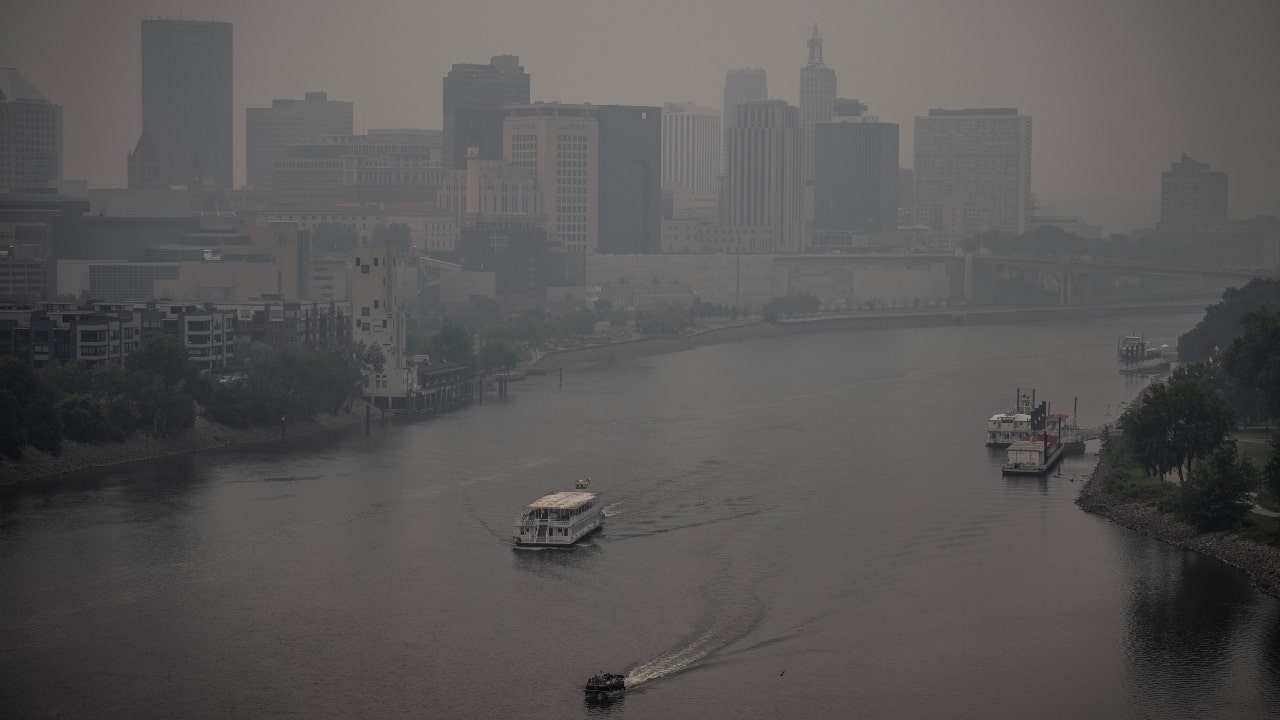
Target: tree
[(1271, 474), (1253, 359), (83, 419), (1215, 494), (12, 436), (1176, 422), (160, 378), (396, 235), (1225, 321), (453, 344), (581, 322), (498, 356), (333, 239)]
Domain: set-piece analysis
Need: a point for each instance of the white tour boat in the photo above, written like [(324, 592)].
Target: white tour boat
[(1006, 428), (559, 518)]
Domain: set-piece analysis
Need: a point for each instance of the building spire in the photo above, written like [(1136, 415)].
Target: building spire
[(815, 48)]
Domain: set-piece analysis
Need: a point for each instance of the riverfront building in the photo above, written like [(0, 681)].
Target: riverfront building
[(30, 134), (1192, 197), (973, 172), (474, 96), (379, 318), (269, 131), (186, 98)]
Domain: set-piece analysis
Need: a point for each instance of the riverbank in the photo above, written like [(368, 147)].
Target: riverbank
[(590, 355), (1260, 562), (204, 435)]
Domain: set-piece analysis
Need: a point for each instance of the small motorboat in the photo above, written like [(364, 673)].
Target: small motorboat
[(603, 683)]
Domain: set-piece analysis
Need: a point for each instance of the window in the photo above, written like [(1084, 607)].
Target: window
[(364, 311), (375, 304)]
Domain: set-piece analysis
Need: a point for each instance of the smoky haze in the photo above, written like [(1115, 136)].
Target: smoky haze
[(1117, 90)]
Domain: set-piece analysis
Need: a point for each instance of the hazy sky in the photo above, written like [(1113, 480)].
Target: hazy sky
[(1116, 90)]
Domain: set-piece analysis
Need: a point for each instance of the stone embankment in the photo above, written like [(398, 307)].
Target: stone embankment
[(1260, 562), (205, 435), (589, 355)]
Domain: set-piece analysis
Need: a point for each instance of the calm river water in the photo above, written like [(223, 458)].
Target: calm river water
[(803, 526)]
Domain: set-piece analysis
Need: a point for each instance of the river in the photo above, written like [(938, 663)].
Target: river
[(803, 526)]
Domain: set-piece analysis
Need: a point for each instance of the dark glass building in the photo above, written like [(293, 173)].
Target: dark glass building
[(856, 177), (473, 99), (630, 178), (186, 98)]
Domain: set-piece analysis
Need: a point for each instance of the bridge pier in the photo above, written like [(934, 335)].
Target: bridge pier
[(1066, 288)]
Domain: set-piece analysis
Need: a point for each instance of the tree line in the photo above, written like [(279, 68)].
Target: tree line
[(159, 390), (1184, 423)]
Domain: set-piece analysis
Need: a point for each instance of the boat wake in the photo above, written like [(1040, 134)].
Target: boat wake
[(611, 509), (737, 613)]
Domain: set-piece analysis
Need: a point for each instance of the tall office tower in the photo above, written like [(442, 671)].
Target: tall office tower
[(144, 165), (1192, 197), (630, 173), (30, 134), (817, 105), (473, 99), (741, 85), (973, 172), (186, 98), (690, 149), (855, 177), (268, 131), (762, 182), (560, 145)]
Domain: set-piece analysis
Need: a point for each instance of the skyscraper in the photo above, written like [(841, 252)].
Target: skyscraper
[(817, 86), (30, 134), (560, 145), (1192, 197), (186, 98), (817, 105), (144, 165), (473, 99), (973, 172), (630, 175), (741, 85), (268, 131), (762, 182), (855, 176), (690, 148)]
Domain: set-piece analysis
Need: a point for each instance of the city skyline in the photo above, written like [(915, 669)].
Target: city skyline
[(1117, 92)]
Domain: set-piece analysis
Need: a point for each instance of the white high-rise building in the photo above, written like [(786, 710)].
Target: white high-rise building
[(973, 172), (269, 131), (30, 134), (691, 154), (763, 186)]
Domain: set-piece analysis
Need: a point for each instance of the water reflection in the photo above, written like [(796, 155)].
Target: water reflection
[(1182, 616), (604, 703)]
